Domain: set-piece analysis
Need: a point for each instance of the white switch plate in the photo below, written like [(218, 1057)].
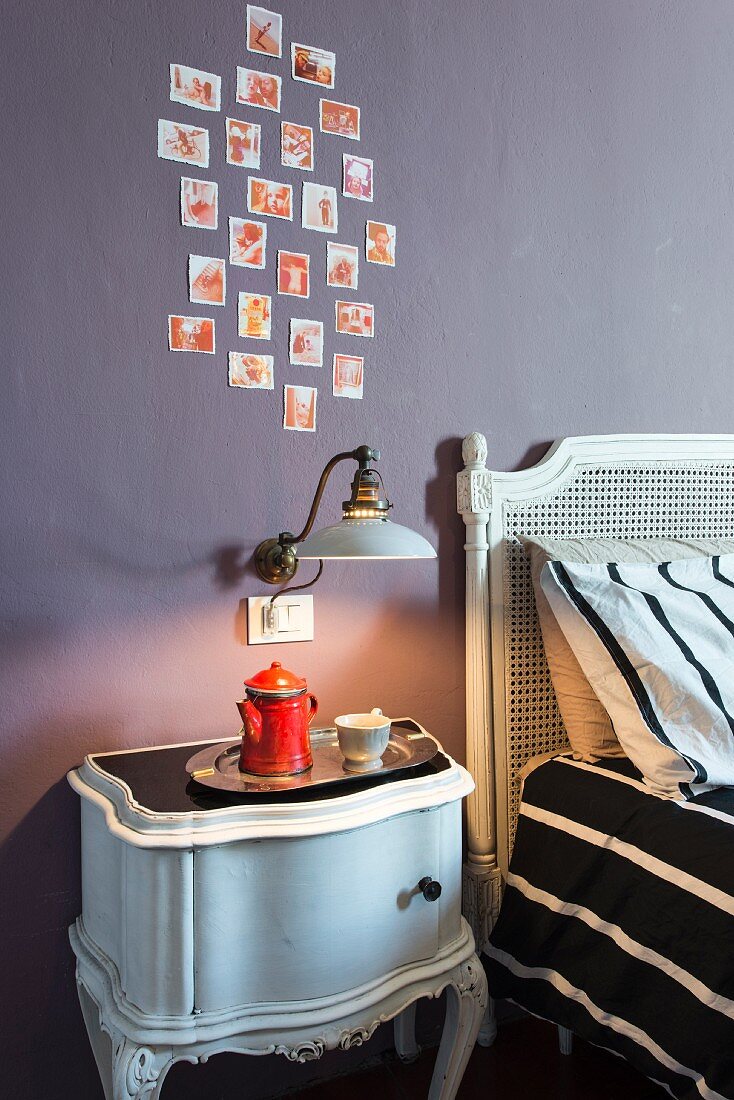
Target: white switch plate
[(293, 619)]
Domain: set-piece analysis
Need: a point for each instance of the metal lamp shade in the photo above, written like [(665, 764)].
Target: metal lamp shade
[(365, 538)]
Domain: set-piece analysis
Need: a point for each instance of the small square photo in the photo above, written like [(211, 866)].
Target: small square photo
[(357, 179), (306, 348), (243, 143), (312, 65), (207, 280), (380, 243), (195, 88), (253, 372), (355, 318), (318, 208), (258, 89), (189, 144), (342, 265), (264, 31), (293, 274), (348, 376), (299, 413), (191, 334), (247, 241), (270, 198), (296, 146), (341, 119), (253, 315), (199, 203)]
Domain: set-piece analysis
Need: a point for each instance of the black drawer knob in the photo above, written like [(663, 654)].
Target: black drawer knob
[(430, 888)]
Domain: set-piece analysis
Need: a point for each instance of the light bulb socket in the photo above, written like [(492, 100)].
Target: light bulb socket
[(366, 496)]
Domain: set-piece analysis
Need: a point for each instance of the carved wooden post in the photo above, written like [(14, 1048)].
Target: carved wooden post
[(481, 873)]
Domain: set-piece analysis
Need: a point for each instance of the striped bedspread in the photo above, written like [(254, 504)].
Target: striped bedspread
[(618, 921)]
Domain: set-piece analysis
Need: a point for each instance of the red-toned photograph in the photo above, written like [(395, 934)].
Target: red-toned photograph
[(355, 318), (270, 198), (296, 146), (189, 144), (252, 372), (339, 118), (258, 89), (312, 65), (253, 315), (358, 174), (247, 242), (191, 334), (306, 347), (342, 265), (299, 414), (207, 280), (380, 243), (319, 208), (293, 274), (195, 88), (264, 31), (199, 203), (243, 143), (348, 376)]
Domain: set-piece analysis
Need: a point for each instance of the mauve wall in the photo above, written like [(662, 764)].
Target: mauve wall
[(560, 173)]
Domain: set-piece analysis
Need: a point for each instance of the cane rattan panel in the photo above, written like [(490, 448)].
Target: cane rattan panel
[(636, 500)]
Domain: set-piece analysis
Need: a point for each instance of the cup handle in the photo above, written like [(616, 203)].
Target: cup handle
[(313, 707)]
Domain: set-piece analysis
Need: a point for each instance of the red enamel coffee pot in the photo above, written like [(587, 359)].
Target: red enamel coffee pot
[(276, 715)]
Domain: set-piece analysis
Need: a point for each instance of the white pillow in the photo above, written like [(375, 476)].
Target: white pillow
[(656, 642), (587, 722)]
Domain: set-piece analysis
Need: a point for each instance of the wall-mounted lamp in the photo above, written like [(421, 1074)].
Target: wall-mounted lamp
[(364, 530)]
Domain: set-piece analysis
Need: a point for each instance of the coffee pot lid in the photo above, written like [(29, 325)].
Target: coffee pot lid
[(276, 680)]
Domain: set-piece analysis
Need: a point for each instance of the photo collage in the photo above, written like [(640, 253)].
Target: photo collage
[(246, 245)]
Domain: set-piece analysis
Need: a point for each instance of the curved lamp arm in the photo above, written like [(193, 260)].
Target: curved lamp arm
[(275, 559)]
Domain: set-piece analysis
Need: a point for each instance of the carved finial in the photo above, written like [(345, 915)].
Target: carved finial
[(474, 482), (474, 449)]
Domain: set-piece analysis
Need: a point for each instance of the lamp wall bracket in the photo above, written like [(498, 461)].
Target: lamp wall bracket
[(274, 562), (275, 559)]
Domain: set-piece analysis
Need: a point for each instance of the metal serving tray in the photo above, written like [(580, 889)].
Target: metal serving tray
[(217, 766)]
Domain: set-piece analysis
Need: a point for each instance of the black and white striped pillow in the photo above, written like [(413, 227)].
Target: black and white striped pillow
[(656, 642)]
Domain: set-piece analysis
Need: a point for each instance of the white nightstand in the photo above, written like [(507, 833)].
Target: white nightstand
[(289, 927)]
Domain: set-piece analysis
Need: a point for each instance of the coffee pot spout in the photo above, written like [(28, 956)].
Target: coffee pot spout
[(251, 719)]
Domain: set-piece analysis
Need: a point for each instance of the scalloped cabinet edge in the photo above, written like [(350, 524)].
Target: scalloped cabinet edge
[(285, 929)]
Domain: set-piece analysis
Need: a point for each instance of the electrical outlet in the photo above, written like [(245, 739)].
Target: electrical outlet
[(289, 619)]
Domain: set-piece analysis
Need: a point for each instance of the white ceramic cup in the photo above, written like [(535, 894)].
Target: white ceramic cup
[(362, 739)]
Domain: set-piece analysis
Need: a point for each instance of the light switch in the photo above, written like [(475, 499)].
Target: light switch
[(291, 619)]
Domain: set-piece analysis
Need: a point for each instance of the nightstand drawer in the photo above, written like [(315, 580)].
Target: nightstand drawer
[(291, 919)]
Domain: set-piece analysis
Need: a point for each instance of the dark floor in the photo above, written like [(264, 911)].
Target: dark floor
[(524, 1061)]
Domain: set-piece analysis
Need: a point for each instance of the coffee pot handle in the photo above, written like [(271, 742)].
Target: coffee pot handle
[(313, 707)]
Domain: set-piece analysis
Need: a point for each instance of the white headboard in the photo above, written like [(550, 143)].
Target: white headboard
[(624, 486)]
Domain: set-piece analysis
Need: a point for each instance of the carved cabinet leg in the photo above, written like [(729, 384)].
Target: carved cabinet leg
[(466, 1000), (138, 1072), (99, 1040), (488, 1029), (405, 1044)]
